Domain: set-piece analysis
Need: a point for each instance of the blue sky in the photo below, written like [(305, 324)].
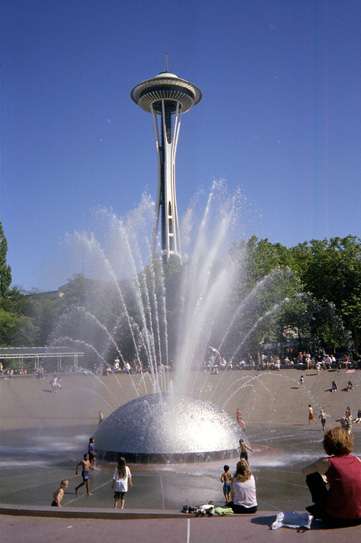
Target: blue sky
[(280, 116)]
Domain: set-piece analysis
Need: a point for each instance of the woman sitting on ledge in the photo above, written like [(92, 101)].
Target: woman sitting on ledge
[(335, 481), (243, 490)]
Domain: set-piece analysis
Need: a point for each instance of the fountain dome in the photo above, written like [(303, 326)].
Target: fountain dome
[(162, 428)]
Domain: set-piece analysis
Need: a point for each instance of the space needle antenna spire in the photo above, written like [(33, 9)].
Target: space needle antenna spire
[(166, 96)]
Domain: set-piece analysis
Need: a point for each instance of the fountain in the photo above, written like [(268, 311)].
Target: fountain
[(173, 302), (165, 316), (169, 416), (168, 309)]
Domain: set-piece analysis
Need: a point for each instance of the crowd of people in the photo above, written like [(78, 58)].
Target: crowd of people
[(334, 480), (214, 363), (239, 489), (346, 421), (121, 481)]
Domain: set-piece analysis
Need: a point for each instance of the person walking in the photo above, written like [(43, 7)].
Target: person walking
[(311, 414), (85, 474), (322, 417), (122, 480)]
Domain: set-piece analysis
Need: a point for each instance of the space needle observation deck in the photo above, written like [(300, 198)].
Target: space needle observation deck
[(166, 96)]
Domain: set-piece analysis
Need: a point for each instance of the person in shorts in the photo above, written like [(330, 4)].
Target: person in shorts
[(243, 450), (322, 417), (226, 479), (122, 480), (86, 466)]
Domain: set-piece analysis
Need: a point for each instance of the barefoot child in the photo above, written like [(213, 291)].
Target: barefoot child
[(243, 450), (226, 479), (86, 466), (59, 493)]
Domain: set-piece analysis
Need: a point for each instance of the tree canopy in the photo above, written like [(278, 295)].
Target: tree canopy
[(308, 296)]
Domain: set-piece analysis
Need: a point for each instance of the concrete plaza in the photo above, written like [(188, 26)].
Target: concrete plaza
[(44, 434)]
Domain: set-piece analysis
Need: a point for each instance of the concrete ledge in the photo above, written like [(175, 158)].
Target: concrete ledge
[(88, 512)]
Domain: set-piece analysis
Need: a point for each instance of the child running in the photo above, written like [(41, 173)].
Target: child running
[(85, 469), (226, 479)]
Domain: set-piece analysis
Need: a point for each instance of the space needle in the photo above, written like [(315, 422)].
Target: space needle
[(166, 96)]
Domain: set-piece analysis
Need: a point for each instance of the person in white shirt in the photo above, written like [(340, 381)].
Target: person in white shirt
[(122, 480), (244, 498)]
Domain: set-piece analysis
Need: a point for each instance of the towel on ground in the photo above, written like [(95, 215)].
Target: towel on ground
[(292, 519)]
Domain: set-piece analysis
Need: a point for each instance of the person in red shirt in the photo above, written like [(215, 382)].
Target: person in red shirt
[(335, 481)]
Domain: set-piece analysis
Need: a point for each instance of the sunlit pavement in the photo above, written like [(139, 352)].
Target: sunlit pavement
[(41, 442), (188, 530)]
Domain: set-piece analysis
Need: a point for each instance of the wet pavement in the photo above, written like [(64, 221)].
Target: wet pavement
[(32, 464), (44, 435)]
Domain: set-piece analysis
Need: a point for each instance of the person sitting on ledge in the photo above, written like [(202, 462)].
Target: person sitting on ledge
[(337, 502), (244, 498)]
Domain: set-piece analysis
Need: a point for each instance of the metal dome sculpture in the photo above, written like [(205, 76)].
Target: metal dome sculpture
[(162, 428)]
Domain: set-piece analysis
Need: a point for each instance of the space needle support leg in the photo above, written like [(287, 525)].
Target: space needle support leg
[(177, 124), (169, 209), (157, 209)]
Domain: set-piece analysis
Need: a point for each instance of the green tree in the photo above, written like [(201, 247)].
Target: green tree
[(309, 324), (15, 328), (5, 270), (320, 298), (331, 271)]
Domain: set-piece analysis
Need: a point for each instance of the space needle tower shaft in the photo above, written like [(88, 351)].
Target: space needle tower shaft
[(166, 96)]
